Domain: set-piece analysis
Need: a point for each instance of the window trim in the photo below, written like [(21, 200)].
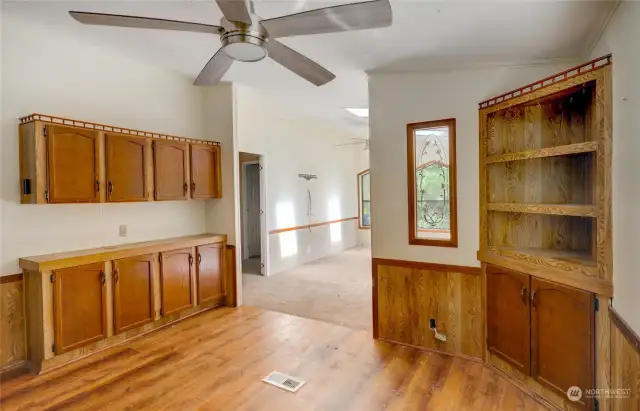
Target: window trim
[(411, 181), (359, 177)]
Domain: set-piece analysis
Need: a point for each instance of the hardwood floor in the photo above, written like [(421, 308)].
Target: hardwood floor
[(216, 360)]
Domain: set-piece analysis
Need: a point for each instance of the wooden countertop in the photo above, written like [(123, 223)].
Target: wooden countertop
[(56, 261)]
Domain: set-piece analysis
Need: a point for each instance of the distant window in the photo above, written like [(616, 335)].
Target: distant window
[(432, 190), (364, 196)]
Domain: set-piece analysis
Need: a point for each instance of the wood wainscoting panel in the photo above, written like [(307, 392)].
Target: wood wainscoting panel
[(408, 296), (625, 364), (12, 333)]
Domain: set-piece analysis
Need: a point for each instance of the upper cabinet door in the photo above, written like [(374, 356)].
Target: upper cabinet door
[(73, 165), (175, 274), (508, 318), (206, 180), (79, 306), (170, 170), (132, 292), (126, 168), (563, 339), (209, 272)]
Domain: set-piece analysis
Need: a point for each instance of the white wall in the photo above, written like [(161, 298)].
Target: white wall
[(621, 39), (44, 71), (396, 99), (291, 145)]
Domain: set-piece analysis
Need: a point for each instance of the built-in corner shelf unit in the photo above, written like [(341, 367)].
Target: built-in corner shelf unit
[(545, 171)]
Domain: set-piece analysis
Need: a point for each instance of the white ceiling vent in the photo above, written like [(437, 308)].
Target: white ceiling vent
[(284, 381)]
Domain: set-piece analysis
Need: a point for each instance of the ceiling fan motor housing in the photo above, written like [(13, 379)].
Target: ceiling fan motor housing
[(244, 42)]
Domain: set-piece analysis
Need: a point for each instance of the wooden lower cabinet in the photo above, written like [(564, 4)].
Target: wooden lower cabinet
[(508, 316), (209, 272), (175, 277), (562, 337), (133, 303), (544, 329), (79, 306)]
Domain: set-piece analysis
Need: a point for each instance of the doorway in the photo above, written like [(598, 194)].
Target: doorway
[(252, 213)]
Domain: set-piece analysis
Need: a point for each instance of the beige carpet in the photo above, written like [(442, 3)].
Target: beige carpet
[(335, 289)]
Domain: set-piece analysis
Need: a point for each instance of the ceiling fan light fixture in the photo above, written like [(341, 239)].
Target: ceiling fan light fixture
[(243, 46)]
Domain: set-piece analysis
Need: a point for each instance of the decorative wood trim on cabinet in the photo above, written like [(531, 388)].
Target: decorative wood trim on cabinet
[(428, 266), (625, 329), (5, 279), (114, 129)]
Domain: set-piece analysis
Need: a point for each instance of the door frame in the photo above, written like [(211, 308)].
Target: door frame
[(264, 246)]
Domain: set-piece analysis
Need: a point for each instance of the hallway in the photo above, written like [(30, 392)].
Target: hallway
[(335, 289)]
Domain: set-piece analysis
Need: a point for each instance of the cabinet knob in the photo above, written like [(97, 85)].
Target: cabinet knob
[(523, 294), (103, 277), (116, 275), (193, 187), (186, 188), (533, 298)]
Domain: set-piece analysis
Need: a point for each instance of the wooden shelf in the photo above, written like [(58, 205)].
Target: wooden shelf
[(569, 149), (532, 254), (576, 210)]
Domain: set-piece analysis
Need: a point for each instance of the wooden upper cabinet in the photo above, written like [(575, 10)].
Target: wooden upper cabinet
[(210, 272), (508, 316), (126, 168), (170, 161), (175, 275), (79, 306), (133, 303), (562, 336), (73, 164), (206, 179)]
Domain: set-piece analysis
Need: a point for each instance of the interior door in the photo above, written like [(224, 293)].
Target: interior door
[(170, 170), (126, 168), (252, 187), (209, 272), (563, 337), (132, 292), (73, 165), (175, 274), (508, 316), (205, 173), (79, 306)]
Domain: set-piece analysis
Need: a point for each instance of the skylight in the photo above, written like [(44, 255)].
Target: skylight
[(360, 112)]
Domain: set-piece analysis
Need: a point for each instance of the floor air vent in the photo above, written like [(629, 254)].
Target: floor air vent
[(284, 381)]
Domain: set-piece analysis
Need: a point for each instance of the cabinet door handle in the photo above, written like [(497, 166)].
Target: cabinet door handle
[(190, 259), (186, 188), (97, 186), (103, 276), (109, 188), (116, 275), (523, 294), (533, 298), (193, 187), (199, 258)]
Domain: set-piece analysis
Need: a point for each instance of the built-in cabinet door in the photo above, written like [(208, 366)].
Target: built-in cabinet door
[(170, 170), (205, 171), (175, 274), (73, 165), (126, 168), (132, 292), (562, 336), (508, 316), (79, 306), (209, 272)]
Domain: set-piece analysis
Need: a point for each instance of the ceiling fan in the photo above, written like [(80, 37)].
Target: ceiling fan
[(357, 142), (246, 37)]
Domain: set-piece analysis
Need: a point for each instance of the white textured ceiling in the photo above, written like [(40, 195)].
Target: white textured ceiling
[(425, 35)]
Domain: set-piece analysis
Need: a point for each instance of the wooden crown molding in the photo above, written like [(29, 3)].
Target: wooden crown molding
[(625, 329), (113, 129), (548, 81), (303, 227), (427, 266)]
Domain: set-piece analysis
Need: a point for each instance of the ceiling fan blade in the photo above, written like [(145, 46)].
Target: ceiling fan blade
[(117, 20), (214, 69), (346, 17), (299, 64), (236, 10)]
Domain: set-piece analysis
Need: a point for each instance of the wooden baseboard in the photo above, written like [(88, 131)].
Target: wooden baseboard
[(524, 388), (625, 329), (12, 371)]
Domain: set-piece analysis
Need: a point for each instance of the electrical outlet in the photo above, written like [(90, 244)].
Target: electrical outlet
[(432, 323), (123, 230)]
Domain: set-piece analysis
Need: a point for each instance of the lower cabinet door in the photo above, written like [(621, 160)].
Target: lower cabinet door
[(132, 292), (209, 272), (175, 274), (562, 337), (79, 306), (508, 316)]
